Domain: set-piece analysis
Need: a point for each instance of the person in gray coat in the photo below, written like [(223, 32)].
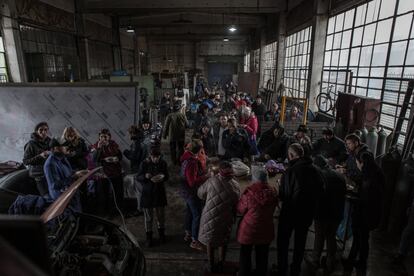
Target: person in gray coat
[(221, 194)]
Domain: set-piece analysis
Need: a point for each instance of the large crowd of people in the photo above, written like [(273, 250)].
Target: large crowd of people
[(310, 188)]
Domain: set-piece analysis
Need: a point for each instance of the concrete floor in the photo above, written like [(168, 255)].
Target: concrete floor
[(177, 258)]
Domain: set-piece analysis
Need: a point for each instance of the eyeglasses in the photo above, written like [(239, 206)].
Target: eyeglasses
[(43, 129)]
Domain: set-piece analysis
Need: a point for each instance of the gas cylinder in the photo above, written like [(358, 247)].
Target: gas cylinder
[(364, 135), (382, 142), (372, 140), (358, 133)]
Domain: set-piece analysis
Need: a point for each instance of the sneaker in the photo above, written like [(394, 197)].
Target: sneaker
[(197, 245)]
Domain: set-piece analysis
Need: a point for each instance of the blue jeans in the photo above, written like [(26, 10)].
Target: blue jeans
[(193, 215)]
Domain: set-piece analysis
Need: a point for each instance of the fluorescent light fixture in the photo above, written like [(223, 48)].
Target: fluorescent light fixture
[(169, 60), (130, 29), (225, 39), (232, 29)]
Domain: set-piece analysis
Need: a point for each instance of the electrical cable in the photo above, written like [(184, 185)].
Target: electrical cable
[(115, 202)]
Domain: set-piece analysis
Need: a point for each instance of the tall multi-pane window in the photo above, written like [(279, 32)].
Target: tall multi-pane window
[(269, 66), (3, 67), (296, 71), (247, 63), (358, 43)]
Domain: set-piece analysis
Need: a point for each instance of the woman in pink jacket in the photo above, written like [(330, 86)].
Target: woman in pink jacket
[(256, 205), (249, 122)]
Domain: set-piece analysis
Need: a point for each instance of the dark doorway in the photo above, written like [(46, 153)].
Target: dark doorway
[(221, 73)]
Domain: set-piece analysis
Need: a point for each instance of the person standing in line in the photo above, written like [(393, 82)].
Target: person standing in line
[(366, 211), (153, 175), (259, 109), (329, 214), (106, 153), (300, 189), (137, 152), (77, 149), (218, 130), (174, 128), (193, 175), (36, 152), (221, 194), (256, 229), (59, 173)]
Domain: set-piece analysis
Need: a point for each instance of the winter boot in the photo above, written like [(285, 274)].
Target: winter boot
[(161, 234), (148, 242)]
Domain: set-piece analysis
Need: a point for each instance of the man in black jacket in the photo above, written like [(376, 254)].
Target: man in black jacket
[(235, 142), (259, 110), (275, 146), (137, 152), (300, 189), (354, 148), (329, 214), (330, 146), (36, 152)]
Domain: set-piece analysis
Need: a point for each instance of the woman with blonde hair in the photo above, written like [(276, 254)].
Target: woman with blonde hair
[(77, 149)]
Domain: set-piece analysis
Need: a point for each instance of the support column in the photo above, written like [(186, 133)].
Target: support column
[(12, 42), (116, 44), (137, 57), (82, 44), (319, 27), (262, 56), (281, 52)]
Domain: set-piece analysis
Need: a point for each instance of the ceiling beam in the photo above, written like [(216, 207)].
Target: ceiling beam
[(194, 18), (228, 6)]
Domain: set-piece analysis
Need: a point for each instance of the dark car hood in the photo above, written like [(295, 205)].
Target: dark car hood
[(59, 205)]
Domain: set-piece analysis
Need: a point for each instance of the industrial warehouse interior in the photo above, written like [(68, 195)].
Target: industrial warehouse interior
[(206, 137)]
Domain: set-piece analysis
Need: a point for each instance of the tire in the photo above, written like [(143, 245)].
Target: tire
[(324, 102)]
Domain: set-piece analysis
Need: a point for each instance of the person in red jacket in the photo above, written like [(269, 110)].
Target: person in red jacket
[(106, 153), (193, 175), (249, 122), (256, 205)]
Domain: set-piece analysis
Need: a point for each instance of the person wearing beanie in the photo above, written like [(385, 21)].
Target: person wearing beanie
[(221, 194), (329, 214), (59, 174), (36, 152), (330, 146), (303, 139), (137, 152), (256, 206), (192, 175), (153, 175), (300, 190), (274, 144), (174, 129)]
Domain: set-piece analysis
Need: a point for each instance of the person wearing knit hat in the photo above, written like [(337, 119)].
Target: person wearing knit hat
[(174, 129), (221, 194), (256, 228), (330, 146)]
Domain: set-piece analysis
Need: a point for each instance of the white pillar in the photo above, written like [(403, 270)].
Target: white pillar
[(12, 42)]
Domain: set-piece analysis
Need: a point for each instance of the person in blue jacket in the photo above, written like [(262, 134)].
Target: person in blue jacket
[(59, 173)]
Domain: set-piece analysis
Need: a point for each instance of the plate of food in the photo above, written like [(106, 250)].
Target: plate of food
[(157, 178), (111, 159)]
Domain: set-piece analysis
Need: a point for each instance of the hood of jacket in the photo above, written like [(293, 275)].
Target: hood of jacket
[(262, 193)]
